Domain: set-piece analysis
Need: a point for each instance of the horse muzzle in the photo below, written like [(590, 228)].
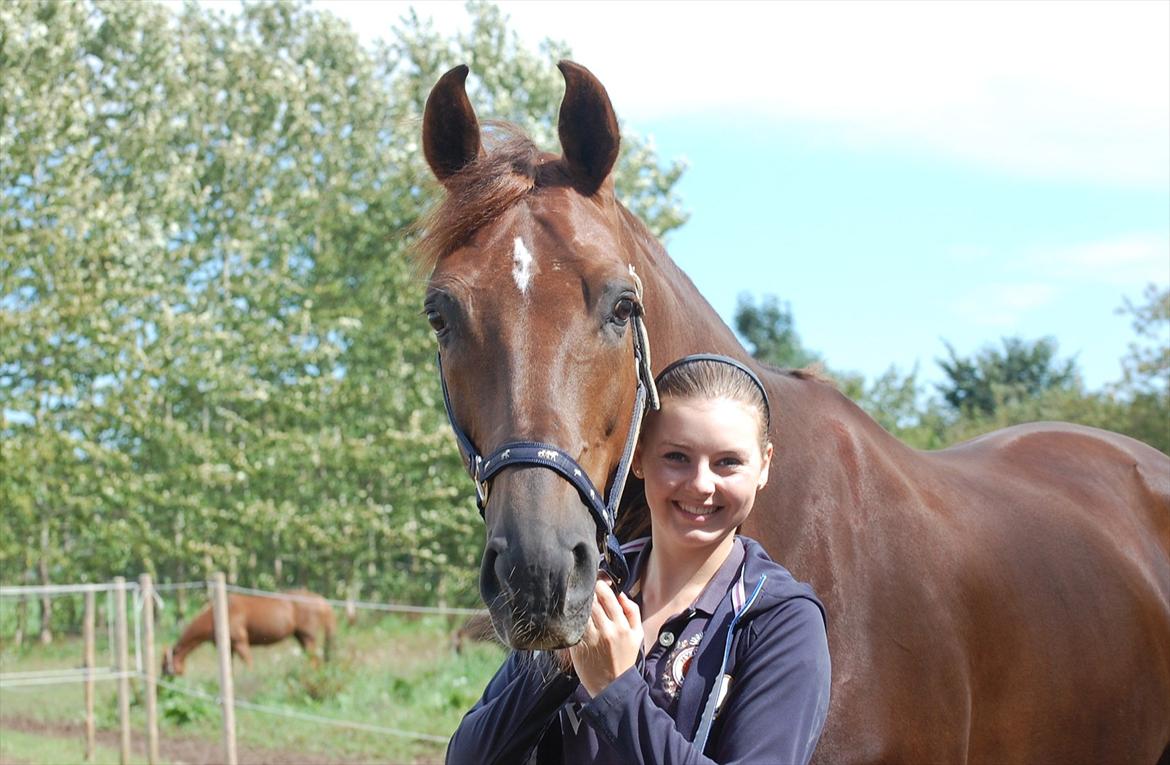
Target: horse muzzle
[(539, 569)]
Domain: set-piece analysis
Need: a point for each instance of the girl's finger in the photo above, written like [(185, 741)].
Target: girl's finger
[(599, 617), (608, 602), (632, 613)]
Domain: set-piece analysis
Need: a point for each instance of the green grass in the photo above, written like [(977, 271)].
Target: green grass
[(34, 749), (392, 672)]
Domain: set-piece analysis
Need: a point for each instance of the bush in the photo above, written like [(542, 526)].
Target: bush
[(183, 709), (319, 683)]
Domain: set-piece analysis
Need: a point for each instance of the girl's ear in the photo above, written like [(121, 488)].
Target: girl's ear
[(767, 466), (636, 463)]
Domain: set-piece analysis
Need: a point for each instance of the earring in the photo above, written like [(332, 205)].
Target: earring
[(637, 474)]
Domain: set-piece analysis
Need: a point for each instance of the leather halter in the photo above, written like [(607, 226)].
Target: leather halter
[(514, 453)]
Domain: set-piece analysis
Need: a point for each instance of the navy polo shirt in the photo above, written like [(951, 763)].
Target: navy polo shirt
[(664, 667)]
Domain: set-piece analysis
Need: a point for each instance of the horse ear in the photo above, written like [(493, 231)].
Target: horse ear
[(590, 137), (450, 129)]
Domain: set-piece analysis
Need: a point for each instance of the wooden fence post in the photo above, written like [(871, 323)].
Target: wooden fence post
[(353, 590), (87, 630), (123, 657), (46, 598), (223, 646), (21, 622), (149, 668)]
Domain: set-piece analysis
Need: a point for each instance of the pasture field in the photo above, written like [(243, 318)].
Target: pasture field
[(390, 671)]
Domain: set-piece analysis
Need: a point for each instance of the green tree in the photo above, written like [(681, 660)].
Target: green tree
[(893, 398), (213, 348), (1145, 383), (1146, 365), (1138, 405), (769, 330), (993, 377)]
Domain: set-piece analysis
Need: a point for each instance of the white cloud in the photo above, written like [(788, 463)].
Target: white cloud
[(1066, 89), (1044, 274), (1122, 262), (1001, 305)]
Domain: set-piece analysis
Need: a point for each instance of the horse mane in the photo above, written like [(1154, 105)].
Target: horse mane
[(503, 174), (814, 372)]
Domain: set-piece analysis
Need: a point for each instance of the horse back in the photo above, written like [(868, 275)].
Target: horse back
[(261, 619), (313, 613), (1058, 479), (1063, 581), (1008, 594)]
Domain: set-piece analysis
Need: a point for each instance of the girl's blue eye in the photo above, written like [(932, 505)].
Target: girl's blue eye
[(674, 457)]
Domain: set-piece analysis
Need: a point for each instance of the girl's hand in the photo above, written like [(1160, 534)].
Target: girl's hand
[(612, 639)]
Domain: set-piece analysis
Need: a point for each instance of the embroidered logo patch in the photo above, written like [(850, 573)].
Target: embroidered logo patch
[(678, 663)]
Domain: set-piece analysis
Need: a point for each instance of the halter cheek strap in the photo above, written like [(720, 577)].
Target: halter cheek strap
[(539, 454)]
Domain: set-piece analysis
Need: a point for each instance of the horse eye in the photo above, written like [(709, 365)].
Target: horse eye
[(623, 310), (435, 319)]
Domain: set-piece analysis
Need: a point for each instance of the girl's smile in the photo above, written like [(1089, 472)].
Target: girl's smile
[(702, 464)]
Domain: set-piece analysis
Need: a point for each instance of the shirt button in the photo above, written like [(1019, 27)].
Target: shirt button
[(666, 639)]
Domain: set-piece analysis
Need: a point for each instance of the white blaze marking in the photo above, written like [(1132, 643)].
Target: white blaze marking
[(522, 265)]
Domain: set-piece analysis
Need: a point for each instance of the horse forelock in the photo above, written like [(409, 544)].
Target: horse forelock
[(479, 193)]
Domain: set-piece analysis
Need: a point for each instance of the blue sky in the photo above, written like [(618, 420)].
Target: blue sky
[(903, 173)]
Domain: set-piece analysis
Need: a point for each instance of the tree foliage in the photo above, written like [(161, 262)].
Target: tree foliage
[(214, 356), (1145, 383), (1022, 381), (1146, 364), (993, 377), (769, 331)]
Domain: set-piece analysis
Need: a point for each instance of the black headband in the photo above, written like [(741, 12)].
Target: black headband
[(722, 360)]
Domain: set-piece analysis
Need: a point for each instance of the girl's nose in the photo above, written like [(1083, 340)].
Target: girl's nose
[(701, 479)]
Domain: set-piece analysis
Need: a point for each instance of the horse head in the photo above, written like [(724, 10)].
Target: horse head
[(535, 302), (172, 666)]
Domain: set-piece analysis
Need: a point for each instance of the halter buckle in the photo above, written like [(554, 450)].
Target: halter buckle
[(482, 489)]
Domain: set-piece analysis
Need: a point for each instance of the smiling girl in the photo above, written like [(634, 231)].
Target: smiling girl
[(714, 653)]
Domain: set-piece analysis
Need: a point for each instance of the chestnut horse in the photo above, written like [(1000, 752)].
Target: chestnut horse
[(1005, 600), (260, 620)]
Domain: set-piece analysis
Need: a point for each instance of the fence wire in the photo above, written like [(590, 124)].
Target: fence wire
[(61, 589), (362, 604), (52, 677), (80, 676), (12, 679), (290, 713)]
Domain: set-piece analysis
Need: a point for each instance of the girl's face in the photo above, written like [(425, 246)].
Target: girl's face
[(702, 465)]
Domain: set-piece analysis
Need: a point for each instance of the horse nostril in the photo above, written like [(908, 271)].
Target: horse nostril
[(585, 560), (489, 578), (583, 557)]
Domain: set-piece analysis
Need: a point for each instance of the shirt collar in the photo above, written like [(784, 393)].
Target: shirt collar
[(715, 590)]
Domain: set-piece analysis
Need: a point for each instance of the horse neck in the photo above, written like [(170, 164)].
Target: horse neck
[(199, 631), (679, 320), (812, 414)]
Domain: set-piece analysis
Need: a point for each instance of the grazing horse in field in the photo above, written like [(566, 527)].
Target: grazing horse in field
[(260, 620), (1005, 600)]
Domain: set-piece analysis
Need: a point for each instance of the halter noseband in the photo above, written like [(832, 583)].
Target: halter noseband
[(546, 455)]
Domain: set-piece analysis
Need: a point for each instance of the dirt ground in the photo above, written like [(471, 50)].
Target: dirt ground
[(180, 750)]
